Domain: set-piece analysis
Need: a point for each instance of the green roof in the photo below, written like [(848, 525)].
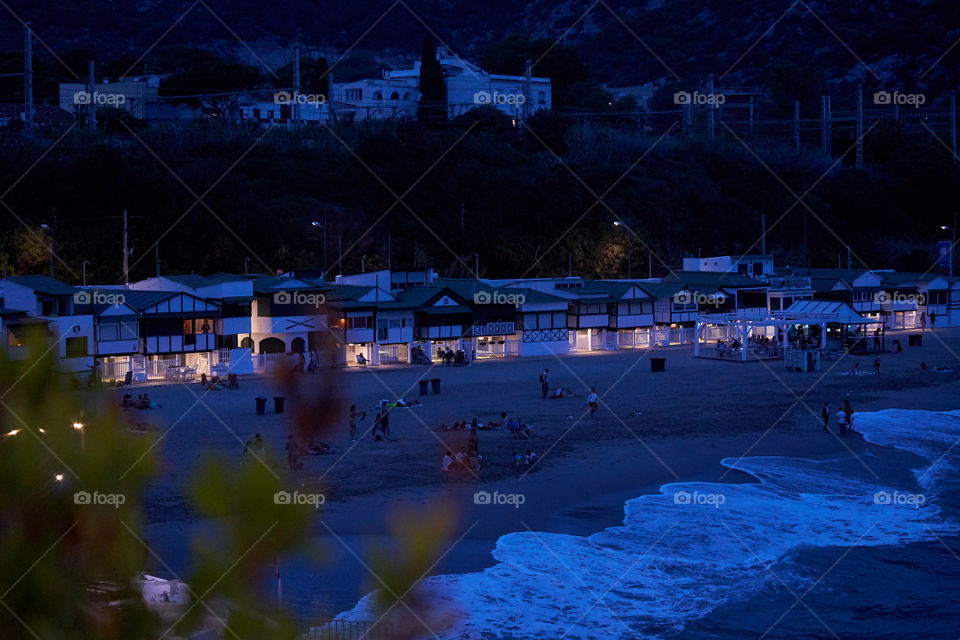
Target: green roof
[(44, 284)]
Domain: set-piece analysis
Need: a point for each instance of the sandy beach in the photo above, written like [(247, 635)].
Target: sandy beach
[(692, 416)]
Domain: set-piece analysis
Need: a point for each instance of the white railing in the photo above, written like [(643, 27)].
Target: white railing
[(160, 369), (270, 362), (110, 371), (389, 353)]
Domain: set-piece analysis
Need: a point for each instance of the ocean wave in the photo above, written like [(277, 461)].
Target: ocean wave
[(681, 553)]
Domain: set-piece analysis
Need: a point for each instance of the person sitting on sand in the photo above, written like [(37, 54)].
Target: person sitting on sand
[(856, 370), (557, 394), (513, 428), (127, 401), (254, 445), (447, 461), (517, 459), (525, 432), (530, 458), (473, 446), (499, 422), (140, 402)]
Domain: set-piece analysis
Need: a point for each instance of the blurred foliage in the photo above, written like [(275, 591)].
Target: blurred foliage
[(72, 510)]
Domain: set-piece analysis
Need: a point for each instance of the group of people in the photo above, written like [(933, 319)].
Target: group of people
[(143, 401), (302, 364), (932, 317), (524, 461), (215, 382), (843, 415)]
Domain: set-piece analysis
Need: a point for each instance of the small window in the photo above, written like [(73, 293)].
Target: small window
[(75, 347)]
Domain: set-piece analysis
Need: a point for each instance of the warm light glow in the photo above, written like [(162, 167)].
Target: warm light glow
[(42, 430), (59, 477), (14, 432), (77, 425)]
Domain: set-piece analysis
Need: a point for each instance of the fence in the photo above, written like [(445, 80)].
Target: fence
[(270, 362), (321, 629), (389, 353)]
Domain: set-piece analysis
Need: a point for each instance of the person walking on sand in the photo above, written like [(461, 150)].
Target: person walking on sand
[(876, 339), (933, 320), (848, 410), (353, 422), (544, 382), (826, 416), (923, 320), (293, 451), (841, 420), (593, 401)]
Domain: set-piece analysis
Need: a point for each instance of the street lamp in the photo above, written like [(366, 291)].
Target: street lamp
[(324, 228), (953, 242), (617, 223), (49, 230), (79, 427)]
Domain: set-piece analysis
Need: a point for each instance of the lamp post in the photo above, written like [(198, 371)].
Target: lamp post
[(323, 227), (953, 238), (617, 223), (79, 427), (49, 230)]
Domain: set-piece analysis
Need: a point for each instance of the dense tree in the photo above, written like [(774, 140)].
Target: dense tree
[(213, 85), (433, 93)]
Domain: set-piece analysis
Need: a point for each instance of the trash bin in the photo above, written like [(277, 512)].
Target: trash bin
[(278, 404), (261, 406), (657, 364), (423, 386), (915, 340), (435, 383)]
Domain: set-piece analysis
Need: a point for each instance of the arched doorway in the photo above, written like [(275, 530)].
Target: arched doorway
[(247, 343), (296, 346), (272, 345)]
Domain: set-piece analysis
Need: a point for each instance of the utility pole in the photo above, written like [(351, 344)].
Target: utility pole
[(570, 264), (126, 252), (295, 115), (953, 137), (156, 251), (331, 112), (763, 234), (527, 90), (796, 125), (91, 108), (849, 262), (28, 80), (859, 126), (710, 107)]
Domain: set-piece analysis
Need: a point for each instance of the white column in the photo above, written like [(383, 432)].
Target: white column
[(697, 330), (823, 335), (374, 353), (744, 332)]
